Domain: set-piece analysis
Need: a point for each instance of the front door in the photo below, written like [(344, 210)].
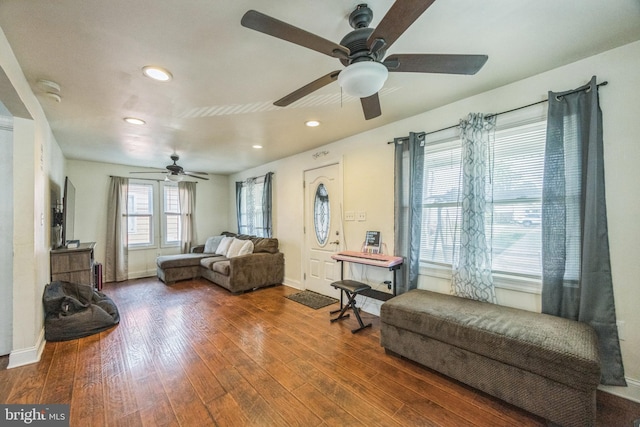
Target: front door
[(323, 205)]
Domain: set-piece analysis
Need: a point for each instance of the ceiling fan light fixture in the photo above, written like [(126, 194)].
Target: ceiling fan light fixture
[(175, 177), (363, 79)]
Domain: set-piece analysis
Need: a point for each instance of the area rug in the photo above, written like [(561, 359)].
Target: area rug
[(312, 299)]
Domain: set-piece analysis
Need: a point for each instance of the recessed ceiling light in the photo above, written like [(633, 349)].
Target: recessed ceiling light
[(157, 73), (312, 123), (134, 121), (257, 146)]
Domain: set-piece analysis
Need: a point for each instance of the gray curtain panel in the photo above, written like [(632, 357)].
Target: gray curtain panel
[(117, 251), (409, 171), (267, 207), (471, 269), (576, 282), (187, 198)]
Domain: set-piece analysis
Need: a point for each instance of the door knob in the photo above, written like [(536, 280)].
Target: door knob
[(337, 242)]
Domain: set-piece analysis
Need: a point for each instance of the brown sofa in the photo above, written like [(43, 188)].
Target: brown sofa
[(263, 266), (544, 364)]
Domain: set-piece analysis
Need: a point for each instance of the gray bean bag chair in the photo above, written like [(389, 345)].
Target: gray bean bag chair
[(74, 311)]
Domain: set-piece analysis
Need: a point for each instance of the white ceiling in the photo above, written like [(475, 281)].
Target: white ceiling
[(226, 77)]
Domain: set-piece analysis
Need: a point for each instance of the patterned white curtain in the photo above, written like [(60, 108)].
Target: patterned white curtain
[(471, 275), (250, 185)]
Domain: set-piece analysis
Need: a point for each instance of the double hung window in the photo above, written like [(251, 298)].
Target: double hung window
[(171, 222), (253, 205), (152, 219), (140, 218), (513, 211)]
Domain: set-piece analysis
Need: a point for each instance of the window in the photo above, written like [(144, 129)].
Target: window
[(514, 201), (140, 214), (142, 220), (171, 224), (321, 214), (253, 206)]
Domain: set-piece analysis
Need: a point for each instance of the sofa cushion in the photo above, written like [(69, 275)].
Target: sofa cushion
[(223, 247), (264, 244), (210, 260), (212, 244), (180, 260), (222, 267), (239, 247)]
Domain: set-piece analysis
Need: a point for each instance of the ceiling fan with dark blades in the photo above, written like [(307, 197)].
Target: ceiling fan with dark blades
[(175, 172), (362, 51)]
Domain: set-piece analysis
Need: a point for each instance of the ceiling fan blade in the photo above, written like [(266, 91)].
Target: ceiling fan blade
[(158, 171), (402, 14), (197, 173), (371, 106), (194, 176), (276, 28), (435, 63), (307, 89)]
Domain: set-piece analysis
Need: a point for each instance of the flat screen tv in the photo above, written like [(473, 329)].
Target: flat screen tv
[(68, 211)]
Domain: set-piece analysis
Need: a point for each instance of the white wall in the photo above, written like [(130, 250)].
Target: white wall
[(91, 180), (368, 181), (35, 155), (6, 235)]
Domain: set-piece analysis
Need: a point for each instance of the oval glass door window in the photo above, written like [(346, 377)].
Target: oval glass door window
[(321, 214)]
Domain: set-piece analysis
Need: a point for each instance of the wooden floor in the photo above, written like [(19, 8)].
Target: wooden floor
[(192, 354)]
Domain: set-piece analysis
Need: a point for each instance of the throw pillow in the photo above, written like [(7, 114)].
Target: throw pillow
[(212, 244), (239, 247), (223, 247)]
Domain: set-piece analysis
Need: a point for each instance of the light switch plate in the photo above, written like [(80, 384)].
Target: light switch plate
[(362, 216), (349, 216)]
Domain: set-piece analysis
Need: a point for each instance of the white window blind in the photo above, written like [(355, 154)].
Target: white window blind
[(171, 218), (140, 214), (514, 198), (251, 218)]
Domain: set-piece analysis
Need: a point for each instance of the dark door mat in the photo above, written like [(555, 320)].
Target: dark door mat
[(312, 299)]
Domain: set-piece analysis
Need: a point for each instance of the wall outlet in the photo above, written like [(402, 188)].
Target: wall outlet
[(349, 216), (621, 329), (362, 216)]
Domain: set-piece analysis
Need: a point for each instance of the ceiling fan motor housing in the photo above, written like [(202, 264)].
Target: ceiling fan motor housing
[(356, 42)]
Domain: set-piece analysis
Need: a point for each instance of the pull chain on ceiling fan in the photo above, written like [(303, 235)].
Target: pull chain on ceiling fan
[(362, 51)]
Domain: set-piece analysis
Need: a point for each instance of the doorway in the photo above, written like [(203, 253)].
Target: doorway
[(323, 228)]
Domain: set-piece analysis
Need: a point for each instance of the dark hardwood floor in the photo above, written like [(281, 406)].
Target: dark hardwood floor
[(192, 354)]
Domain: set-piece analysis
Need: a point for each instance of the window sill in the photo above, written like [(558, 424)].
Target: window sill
[(142, 248), (501, 281)]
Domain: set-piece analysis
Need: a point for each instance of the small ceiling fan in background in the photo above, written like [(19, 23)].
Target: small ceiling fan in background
[(362, 52), (175, 172)]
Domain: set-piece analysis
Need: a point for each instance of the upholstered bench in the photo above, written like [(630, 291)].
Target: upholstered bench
[(544, 364)]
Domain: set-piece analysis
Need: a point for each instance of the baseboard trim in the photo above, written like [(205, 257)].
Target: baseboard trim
[(369, 305), (141, 274), (630, 392), (292, 283), (29, 355)]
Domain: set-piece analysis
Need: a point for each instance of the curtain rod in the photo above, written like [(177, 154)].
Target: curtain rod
[(495, 114)]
